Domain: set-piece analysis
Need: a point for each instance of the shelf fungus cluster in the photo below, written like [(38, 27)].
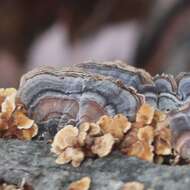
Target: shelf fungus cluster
[(148, 138), (180, 127), (164, 92), (73, 144), (93, 108), (55, 98), (14, 122)]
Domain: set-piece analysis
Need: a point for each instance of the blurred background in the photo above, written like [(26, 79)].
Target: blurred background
[(154, 35)]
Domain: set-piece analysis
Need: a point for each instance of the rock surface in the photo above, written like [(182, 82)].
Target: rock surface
[(33, 161)]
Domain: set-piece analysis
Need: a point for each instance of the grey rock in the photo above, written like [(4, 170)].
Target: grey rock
[(34, 162)]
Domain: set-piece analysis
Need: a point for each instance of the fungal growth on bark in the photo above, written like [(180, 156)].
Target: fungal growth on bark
[(180, 126), (129, 75), (14, 121), (183, 83), (93, 108), (165, 83), (164, 91), (55, 98), (148, 138)]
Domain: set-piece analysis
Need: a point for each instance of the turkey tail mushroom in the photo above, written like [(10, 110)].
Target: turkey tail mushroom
[(183, 82), (173, 92), (165, 83), (129, 75), (55, 98), (160, 91), (179, 122)]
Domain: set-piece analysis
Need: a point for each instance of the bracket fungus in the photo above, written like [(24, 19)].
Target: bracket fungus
[(58, 97), (179, 121), (149, 136), (173, 91), (129, 75), (14, 122), (103, 106), (165, 83), (164, 91), (72, 144), (117, 126)]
